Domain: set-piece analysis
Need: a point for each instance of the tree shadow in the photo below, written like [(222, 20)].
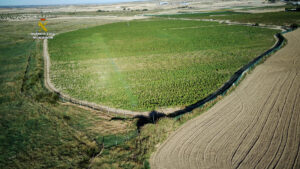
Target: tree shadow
[(152, 117)]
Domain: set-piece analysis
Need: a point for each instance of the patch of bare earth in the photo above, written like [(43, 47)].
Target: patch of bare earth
[(256, 126)]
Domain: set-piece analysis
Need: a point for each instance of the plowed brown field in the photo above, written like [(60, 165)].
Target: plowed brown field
[(256, 126)]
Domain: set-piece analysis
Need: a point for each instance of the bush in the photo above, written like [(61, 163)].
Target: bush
[(294, 26), (101, 10), (146, 164)]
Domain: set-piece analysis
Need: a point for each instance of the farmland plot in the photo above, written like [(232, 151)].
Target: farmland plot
[(143, 65)]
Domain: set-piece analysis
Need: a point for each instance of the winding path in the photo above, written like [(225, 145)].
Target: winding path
[(256, 126)]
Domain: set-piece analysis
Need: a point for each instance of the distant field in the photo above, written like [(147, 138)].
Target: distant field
[(142, 65), (202, 15), (275, 18)]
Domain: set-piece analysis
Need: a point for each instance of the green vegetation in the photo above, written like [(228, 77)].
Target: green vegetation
[(274, 18), (36, 131), (142, 65)]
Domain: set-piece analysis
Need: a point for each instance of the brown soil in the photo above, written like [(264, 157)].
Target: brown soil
[(256, 126)]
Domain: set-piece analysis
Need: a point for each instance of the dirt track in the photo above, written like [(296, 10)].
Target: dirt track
[(256, 126)]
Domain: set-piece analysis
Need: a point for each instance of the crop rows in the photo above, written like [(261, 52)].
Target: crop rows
[(142, 65)]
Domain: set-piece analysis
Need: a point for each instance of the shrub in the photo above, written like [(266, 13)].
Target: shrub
[(294, 26)]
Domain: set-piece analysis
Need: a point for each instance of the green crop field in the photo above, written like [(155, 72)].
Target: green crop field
[(143, 65), (274, 18)]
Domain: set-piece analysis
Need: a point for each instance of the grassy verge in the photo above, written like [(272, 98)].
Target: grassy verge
[(36, 131), (136, 152)]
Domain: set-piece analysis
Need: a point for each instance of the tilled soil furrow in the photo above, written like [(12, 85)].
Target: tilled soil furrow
[(274, 139), (256, 126), (292, 140), (263, 143), (276, 155), (252, 135)]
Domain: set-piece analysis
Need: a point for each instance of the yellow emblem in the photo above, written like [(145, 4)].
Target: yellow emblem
[(43, 25)]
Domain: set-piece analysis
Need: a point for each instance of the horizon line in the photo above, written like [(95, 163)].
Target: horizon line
[(66, 4)]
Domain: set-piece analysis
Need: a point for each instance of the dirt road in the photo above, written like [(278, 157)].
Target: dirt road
[(256, 126)]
